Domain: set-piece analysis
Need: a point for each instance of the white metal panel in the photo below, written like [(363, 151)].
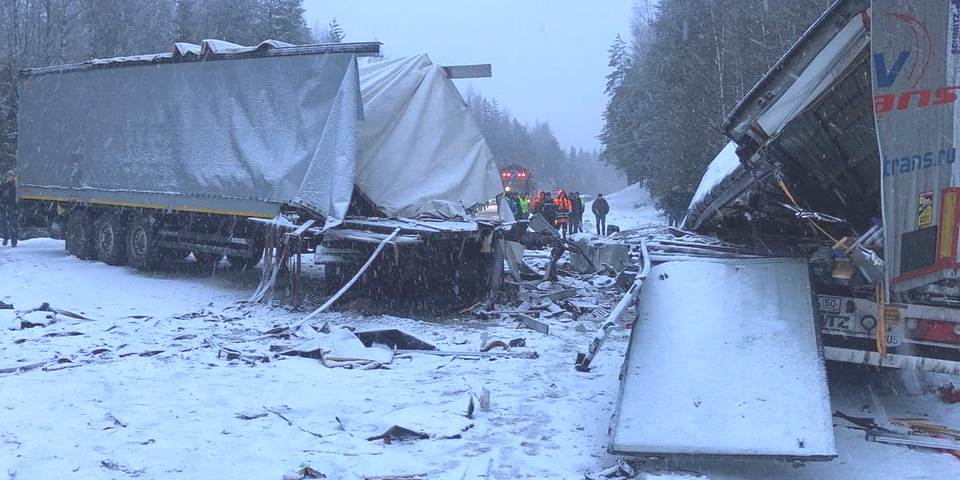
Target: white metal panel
[(421, 153), (828, 65), (724, 360)]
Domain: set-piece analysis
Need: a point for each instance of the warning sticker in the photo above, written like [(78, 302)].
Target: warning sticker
[(925, 210)]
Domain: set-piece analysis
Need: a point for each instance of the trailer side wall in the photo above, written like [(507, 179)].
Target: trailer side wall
[(240, 136)]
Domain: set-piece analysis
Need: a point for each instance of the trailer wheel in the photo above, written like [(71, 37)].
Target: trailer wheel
[(111, 235), (79, 236), (142, 250)]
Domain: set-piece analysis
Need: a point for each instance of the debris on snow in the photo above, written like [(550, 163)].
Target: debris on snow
[(534, 324), (304, 472), (396, 433), (250, 414), (484, 400), (341, 347), (392, 338)]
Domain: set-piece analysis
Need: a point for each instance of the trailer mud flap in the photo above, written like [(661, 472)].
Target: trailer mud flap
[(725, 360)]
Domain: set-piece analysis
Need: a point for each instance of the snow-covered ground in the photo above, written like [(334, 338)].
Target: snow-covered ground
[(630, 208), (138, 390), (143, 361)]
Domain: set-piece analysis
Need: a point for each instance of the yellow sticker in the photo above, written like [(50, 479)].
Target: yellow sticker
[(925, 210)]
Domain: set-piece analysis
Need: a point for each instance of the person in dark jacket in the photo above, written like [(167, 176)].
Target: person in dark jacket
[(600, 210), (9, 216), (576, 216), (548, 208)]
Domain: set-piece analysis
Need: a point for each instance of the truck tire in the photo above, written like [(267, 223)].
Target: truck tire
[(79, 235), (111, 238), (142, 250)]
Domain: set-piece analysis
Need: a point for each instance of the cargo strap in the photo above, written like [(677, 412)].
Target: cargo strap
[(786, 191)]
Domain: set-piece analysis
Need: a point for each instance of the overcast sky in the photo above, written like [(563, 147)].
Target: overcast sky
[(549, 57)]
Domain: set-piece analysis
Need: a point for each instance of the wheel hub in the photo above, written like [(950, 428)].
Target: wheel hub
[(139, 242), (106, 238)]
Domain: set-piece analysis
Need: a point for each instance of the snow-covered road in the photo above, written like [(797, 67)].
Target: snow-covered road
[(138, 392), (176, 410)]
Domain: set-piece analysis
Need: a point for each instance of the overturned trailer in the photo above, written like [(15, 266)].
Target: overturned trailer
[(148, 159), (827, 229), (847, 147)]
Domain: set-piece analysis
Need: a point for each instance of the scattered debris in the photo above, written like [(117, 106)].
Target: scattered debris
[(594, 252), (304, 472), (444, 353), (113, 465), (484, 400), (232, 354), (411, 476), (920, 426), (920, 441), (533, 324), (114, 422), (949, 393), (393, 338), (397, 433), (342, 348), (289, 422), (622, 470), (250, 414), (495, 344), (37, 318), (584, 359)]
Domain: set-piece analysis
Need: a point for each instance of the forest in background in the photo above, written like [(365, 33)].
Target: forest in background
[(682, 69), (536, 148)]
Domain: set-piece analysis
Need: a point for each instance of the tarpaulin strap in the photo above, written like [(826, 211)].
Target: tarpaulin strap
[(786, 191), (881, 334)]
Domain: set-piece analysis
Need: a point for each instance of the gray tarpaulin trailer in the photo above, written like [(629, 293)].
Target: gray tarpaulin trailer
[(240, 134), (150, 158)]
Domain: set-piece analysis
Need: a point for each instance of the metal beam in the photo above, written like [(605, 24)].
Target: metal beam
[(483, 70)]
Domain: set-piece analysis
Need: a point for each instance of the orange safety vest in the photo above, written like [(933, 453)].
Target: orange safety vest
[(564, 207)]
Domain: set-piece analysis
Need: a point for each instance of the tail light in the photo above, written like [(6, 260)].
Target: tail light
[(933, 331)]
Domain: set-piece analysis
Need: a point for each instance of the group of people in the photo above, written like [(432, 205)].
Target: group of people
[(565, 211), (9, 215)]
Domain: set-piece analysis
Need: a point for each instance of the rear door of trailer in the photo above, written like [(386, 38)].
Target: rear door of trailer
[(724, 360)]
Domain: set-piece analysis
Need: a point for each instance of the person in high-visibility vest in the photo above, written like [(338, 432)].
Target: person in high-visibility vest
[(564, 207), (524, 205)]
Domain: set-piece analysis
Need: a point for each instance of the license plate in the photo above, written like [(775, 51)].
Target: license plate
[(838, 322), (829, 304)]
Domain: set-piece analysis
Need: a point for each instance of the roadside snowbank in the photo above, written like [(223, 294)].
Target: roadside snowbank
[(630, 208)]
